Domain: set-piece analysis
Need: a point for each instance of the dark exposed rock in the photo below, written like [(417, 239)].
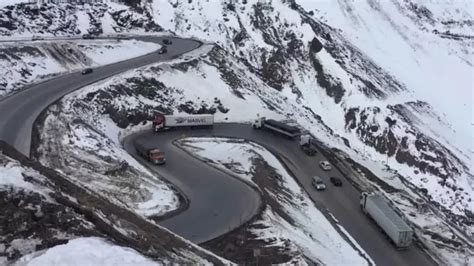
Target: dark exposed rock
[(351, 119), (400, 146), (331, 84), (316, 46), (273, 69), (48, 18)]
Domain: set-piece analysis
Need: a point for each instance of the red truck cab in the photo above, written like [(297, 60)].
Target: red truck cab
[(156, 156), (158, 122)]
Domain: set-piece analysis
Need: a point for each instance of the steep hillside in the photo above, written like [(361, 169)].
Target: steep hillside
[(22, 63), (25, 20), (43, 209), (106, 112), (380, 101), (386, 83)]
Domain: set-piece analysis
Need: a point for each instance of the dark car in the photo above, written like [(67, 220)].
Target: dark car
[(37, 38), (308, 150), (167, 42), (87, 37), (163, 50), (336, 181), (86, 71)]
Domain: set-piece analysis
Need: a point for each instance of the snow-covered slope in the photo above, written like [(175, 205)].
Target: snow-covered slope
[(86, 251), (26, 20), (81, 141), (393, 79), (388, 83), (48, 220), (210, 81), (22, 63), (31, 219)]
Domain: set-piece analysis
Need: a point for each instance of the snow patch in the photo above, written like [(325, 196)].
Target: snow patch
[(86, 251), (311, 231)]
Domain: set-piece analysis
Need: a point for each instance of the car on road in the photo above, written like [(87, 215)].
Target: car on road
[(87, 37), (325, 165), (123, 37), (167, 42), (308, 150), (163, 50), (37, 38), (318, 183), (86, 71), (336, 181)]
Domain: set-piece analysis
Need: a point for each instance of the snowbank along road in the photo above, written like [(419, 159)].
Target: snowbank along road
[(218, 201)]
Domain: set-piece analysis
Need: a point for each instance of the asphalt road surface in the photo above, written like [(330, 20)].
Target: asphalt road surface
[(19, 111), (342, 202), (218, 201)]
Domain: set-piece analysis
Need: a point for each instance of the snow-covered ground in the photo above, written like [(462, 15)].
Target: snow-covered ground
[(86, 251), (373, 68), (97, 161), (12, 175), (308, 229), (22, 63), (4, 3), (210, 80), (401, 37), (72, 19), (350, 89), (87, 146), (30, 217), (390, 86)]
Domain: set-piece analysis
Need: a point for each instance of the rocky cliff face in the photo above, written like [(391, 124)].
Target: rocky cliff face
[(359, 73), (387, 82), (331, 59), (72, 19)]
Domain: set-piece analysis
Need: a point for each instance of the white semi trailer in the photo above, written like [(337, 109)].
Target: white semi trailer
[(392, 224), (276, 126), (162, 122)]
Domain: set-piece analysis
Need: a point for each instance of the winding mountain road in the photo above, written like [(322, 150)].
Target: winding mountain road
[(19, 111), (218, 202), (342, 202)]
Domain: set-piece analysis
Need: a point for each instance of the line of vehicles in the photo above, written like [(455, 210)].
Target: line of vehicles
[(164, 49), (373, 205), (288, 129), (167, 122)]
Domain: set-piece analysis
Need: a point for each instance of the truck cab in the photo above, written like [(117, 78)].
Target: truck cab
[(258, 123), (307, 144), (158, 122), (156, 156)]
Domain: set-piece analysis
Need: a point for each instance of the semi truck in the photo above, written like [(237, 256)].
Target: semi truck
[(276, 126), (163, 122), (377, 208), (308, 144), (153, 155)]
